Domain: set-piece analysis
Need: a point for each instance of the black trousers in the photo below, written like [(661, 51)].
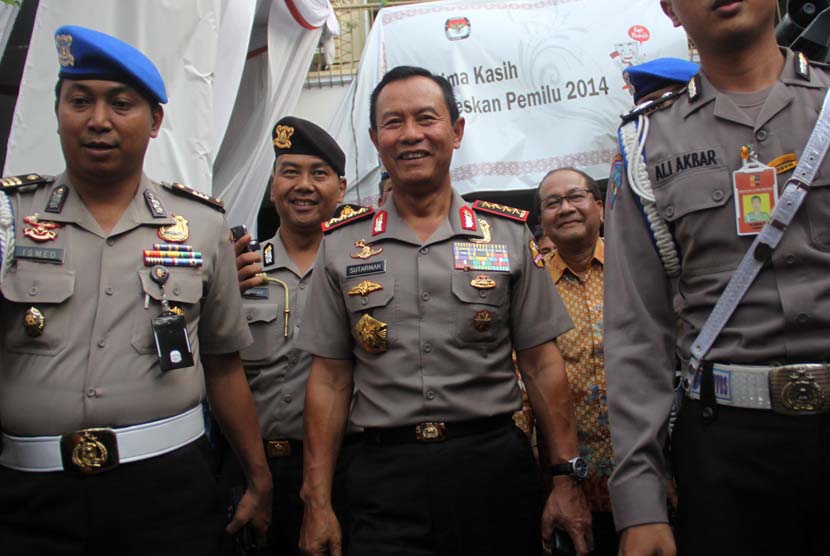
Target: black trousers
[(169, 504), (752, 483), (287, 509), (477, 495)]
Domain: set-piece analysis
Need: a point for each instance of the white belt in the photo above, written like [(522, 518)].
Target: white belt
[(797, 389), (96, 450)]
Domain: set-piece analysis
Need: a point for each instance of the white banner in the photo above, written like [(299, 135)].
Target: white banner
[(539, 83)]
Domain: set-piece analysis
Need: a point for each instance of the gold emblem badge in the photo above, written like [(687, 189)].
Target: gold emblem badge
[(538, 258), (802, 392), (176, 310), (371, 334), (64, 44), (34, 322), (483, 282), (40, 231), (365, 288), (482, 321), (89, 454), (485, 228), (176, 233), (366, 251), (430, 432), (283, 136)]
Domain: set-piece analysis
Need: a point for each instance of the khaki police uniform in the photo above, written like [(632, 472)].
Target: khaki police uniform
[(430, 326), (94, 364), (692, 149)]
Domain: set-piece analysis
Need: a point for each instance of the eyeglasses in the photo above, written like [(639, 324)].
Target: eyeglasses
[(576, 197)]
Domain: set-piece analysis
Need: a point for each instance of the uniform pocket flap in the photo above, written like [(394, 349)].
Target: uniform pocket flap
[(698, 191), (361, 295), (183, 285), (480, 287), (27, 285), (261, 312)]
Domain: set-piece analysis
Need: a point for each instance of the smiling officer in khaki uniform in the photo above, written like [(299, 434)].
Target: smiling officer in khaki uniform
[(103, 434), (751, 480), (306, 186), (420, 304)]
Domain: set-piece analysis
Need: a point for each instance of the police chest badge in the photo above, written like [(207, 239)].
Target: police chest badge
[(366, 251), (175, 233), (371, 334), (39, 230)]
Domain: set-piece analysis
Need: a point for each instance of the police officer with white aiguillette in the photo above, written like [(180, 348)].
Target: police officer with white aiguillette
[(120, 311), (742, 303)]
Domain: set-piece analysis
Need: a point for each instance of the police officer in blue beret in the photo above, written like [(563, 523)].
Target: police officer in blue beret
[(651, 79), (119, 314)]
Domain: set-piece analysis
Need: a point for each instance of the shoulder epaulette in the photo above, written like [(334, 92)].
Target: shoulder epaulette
[(24, 180), (802, 66), (185, 191), (346, 214), (653, 105), (502, 210)]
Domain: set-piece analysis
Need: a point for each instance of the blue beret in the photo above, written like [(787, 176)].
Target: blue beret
[(293, 135), (88, 54), (650, 76)]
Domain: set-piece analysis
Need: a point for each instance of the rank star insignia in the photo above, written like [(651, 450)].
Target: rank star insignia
[(366, 251), (40, 231), (283, 136), (483, 282), (365, 288), (178, 232), (482, 321)]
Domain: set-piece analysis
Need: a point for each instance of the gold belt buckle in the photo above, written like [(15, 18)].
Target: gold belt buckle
[(800, 389), (89, 451), (430, 432), (277, 449)]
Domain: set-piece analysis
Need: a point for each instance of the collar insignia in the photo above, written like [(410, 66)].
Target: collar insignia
[(56, 199), (802, 66), (693, 87), (154, 204), (468, 219), (379, 224), (268, 254)]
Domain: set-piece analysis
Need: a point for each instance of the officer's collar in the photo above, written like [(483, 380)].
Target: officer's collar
[(461, 221), (275, 256)]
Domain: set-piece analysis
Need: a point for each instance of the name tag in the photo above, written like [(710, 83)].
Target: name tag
[(256, 293), (723, 384), (52, 255), (377, 267)]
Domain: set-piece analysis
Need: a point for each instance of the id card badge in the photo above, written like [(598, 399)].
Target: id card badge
[(755, 188), (172, 343)]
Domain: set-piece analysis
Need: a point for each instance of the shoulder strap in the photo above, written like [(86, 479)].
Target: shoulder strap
[(768, 238), (13, 183), (346, 214), (502, 210), (185, 191)]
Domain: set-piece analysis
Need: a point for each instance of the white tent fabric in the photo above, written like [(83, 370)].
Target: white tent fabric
[(220, 93), (539, 83), (8, 15)]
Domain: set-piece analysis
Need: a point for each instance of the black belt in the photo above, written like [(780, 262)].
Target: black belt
[(286, 447), (435, 431)]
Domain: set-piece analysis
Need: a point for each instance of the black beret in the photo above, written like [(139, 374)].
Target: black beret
[(297, 136)]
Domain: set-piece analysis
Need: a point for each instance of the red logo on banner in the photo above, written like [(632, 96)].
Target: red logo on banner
[(639, 33)]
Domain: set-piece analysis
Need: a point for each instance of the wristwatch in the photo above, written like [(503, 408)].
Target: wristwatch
[(576, 468)]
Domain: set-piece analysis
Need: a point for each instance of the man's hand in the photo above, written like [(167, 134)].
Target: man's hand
[(653, 539), (254, 508), (320, 533), (247, 264), (567, 509)]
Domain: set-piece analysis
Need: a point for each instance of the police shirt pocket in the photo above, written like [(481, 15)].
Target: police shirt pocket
[(362, 296), (480, 313), (183, 289), (817, 206), (266, 329), (35, 296)]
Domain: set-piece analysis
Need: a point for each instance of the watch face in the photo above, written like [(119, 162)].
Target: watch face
[(580, 468)]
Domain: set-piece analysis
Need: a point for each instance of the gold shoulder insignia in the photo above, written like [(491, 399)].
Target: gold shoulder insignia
[(502, 210), (659, 103), (203, 198), (345, 214), (24, 180)]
